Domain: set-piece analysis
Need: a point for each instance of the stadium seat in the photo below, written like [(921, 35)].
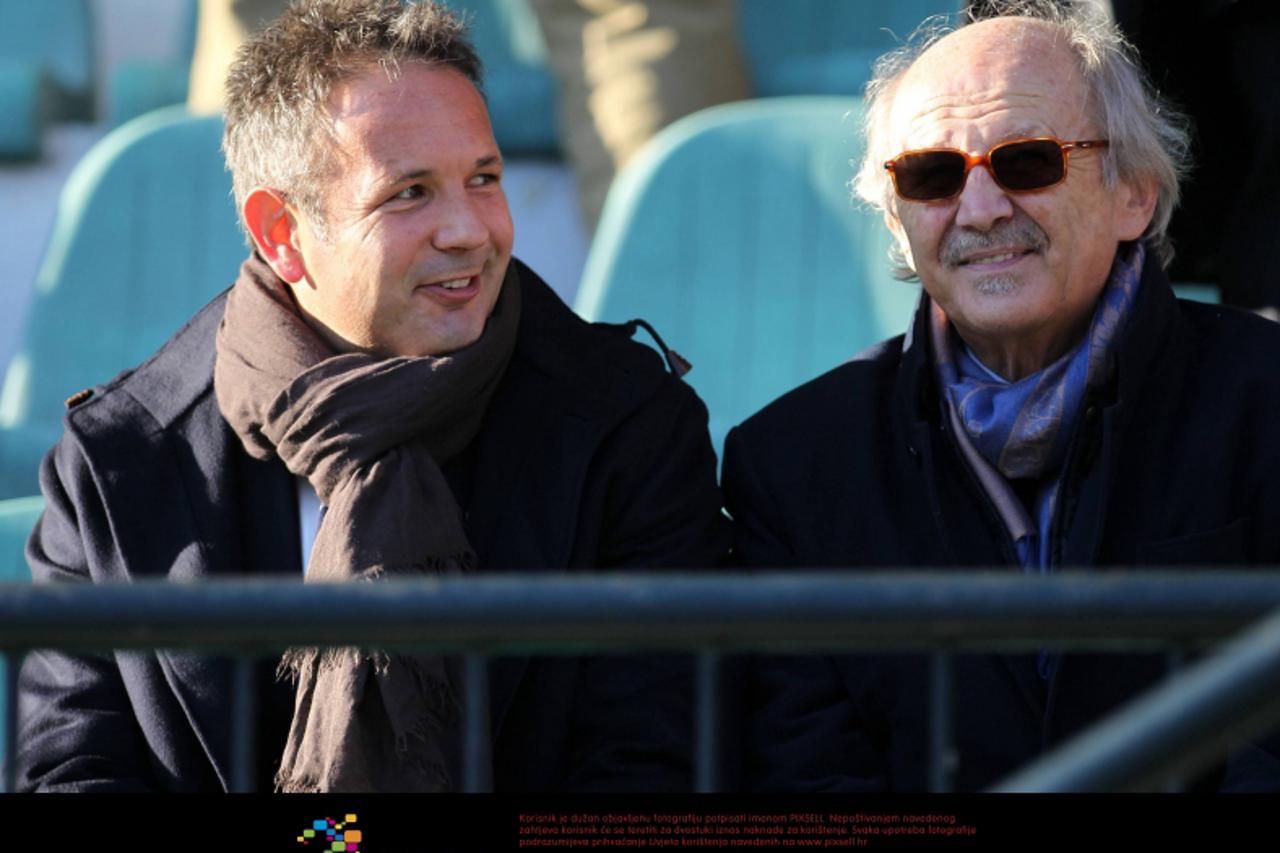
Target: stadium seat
[(46, 70), (1198, 292), (20, 131), (517, 79), (138, 86), (734, 233), (17, 517), (824, 47), (145, 234)]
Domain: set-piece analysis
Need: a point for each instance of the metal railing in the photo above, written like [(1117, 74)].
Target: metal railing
[(1176, 729)]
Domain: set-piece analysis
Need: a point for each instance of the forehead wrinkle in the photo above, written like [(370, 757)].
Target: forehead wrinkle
[(1027, 113)]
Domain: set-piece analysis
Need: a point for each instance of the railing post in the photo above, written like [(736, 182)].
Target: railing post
[(12, 664), (476, 770), (942, 755), (244, 701), (706, 725)]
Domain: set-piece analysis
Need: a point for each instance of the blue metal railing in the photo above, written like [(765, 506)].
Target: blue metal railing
[(942, 613)]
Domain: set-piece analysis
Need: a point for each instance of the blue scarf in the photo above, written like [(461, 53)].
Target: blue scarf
[(1015, 430), (1022, 429)]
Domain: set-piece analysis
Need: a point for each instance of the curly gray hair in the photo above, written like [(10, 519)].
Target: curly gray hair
[(278, 130), (1149, 139)]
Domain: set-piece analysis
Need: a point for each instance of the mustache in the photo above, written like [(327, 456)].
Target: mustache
[(1019, 234)]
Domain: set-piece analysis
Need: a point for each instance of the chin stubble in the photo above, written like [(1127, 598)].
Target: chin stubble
[(999, 284)]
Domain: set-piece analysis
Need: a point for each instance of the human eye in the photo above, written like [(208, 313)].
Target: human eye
[(409, 193), (484, 179)]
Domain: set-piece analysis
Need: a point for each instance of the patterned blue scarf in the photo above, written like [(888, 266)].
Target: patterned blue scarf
[(1022, 429)]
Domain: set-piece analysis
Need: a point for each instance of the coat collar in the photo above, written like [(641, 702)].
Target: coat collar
[(1145, 343)]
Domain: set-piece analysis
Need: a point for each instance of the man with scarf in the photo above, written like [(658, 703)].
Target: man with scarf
[(383, 393), (1052, 405)]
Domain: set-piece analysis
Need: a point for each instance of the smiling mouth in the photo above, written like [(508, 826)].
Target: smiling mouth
[(451, 291), (996, 259)]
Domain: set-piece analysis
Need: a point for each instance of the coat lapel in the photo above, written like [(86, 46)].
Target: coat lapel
[(259, 535), (965, 527), (529, 472)]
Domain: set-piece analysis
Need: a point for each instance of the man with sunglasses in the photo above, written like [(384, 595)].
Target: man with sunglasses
[(1052, 406)]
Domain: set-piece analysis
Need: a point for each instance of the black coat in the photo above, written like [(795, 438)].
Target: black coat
[(591, 456), (1176, 461)]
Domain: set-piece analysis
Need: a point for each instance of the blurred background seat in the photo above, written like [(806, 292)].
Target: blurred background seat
[(137, 85), (517, 77), (824, 47), (146, 233), (46, 70), (17, 518), (735, 235)]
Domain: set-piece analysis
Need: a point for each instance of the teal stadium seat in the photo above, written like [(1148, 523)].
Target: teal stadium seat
[(1198, 292), (734, 233), (46, 70), (145, 233), (17, 518), (518, 84), (138, 86), (824, 47)]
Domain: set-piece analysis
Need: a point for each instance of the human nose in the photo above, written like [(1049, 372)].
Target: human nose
[(462, 228), (982, 201)]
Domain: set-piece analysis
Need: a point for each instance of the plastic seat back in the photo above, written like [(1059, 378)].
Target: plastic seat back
[(138, 86), (824, 47), (17, 518), (735, 235), (56, 37), (145, 234), (518, 84)]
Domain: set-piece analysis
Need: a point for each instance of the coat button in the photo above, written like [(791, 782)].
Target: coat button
[(78, 398)]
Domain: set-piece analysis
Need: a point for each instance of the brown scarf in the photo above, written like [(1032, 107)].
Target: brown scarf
[(369, 434)]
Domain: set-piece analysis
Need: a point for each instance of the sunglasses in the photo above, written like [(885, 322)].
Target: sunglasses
[(1019, 165)]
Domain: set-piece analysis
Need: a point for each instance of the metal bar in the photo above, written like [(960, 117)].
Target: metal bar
[(244, 705), (476, 762), (1175, 661), (1178, 728), (9, 754), (777, 613), (942, 757), (707, 723)]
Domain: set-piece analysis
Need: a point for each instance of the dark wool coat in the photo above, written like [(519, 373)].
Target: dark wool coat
[(591, 456), (1176, 461)]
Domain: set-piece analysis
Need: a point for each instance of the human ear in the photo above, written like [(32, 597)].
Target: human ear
[(274, 230), (1135, 204)]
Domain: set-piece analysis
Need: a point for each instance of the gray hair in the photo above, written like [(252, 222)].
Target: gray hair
[(1149, 139), (279, 132)]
